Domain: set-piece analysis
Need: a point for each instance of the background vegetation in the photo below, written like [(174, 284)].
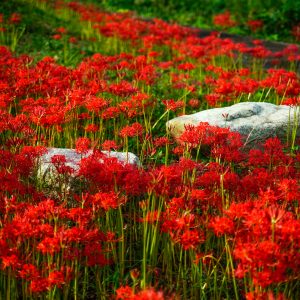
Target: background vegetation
[(278, 16)]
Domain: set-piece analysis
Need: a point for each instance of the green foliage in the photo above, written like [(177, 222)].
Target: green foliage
[(279, 16), (40, 25)]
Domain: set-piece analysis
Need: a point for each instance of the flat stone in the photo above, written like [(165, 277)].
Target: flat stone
[(73, 158), (255, 121), (48, 175)]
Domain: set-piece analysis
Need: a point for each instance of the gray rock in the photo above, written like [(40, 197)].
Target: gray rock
[(55, 183), (73, 158), (256, 121)]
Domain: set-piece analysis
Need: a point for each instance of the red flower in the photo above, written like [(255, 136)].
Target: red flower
[(161, 141), (83, 145), (123, 89), (10, 261), (61, 30), (110, 113), (149, 294), (39, 285), (96, 104), (110, 145), (172, 104), (136, 129), (296, 32), (222, 225), (15, 18), (56, 36), (73, 40), (56, 278), (91, 128), (29, 272), (224, 20), (107, 200), (124, 293), (49, 245), (190, 239), (95, 256), (255, 25), (194, 103), (186, 66)]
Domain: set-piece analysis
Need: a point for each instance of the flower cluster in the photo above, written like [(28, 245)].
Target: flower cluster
[(200, 217)]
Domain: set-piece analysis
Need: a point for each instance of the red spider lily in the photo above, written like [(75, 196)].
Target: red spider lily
[(111, 113), (73, 40), (104, 173), (224, 87), (148, 75), (161, 141), (123, 89), (222, 225), (15, 18), (290, 189), (92, 128), (224, 20), (82, 216), (83, 145), (59, 162), (10, 261), (190, 199), (124, 293), (294, 101), (110, 145), (56, 278), (96, 104), (136, 105), (194, 103), (198, 195), (29, 272), (39, 285), (186, 67), (149, 294), (95, 256), (259, 52), (255, 25), (136, 129), (262, 247), (61, 30), (49, 245), (107, 201), (194, 136), (56, 36), (258, 295), (213, 99), (247, 86), (172, 104), (136, 182), (296, 32), (191, 239), (165, 180), (127, 293)]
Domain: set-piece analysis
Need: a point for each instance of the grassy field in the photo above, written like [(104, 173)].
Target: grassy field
[(277, 17)]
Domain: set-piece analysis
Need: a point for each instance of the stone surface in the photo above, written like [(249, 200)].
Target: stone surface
[(73, 158), (60, 186), (256, 121)]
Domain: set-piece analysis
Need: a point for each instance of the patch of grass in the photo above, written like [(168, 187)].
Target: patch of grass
[(41, 25), (278, 16)]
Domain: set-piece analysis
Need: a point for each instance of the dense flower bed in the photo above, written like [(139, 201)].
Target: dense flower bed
[(200, 219)]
